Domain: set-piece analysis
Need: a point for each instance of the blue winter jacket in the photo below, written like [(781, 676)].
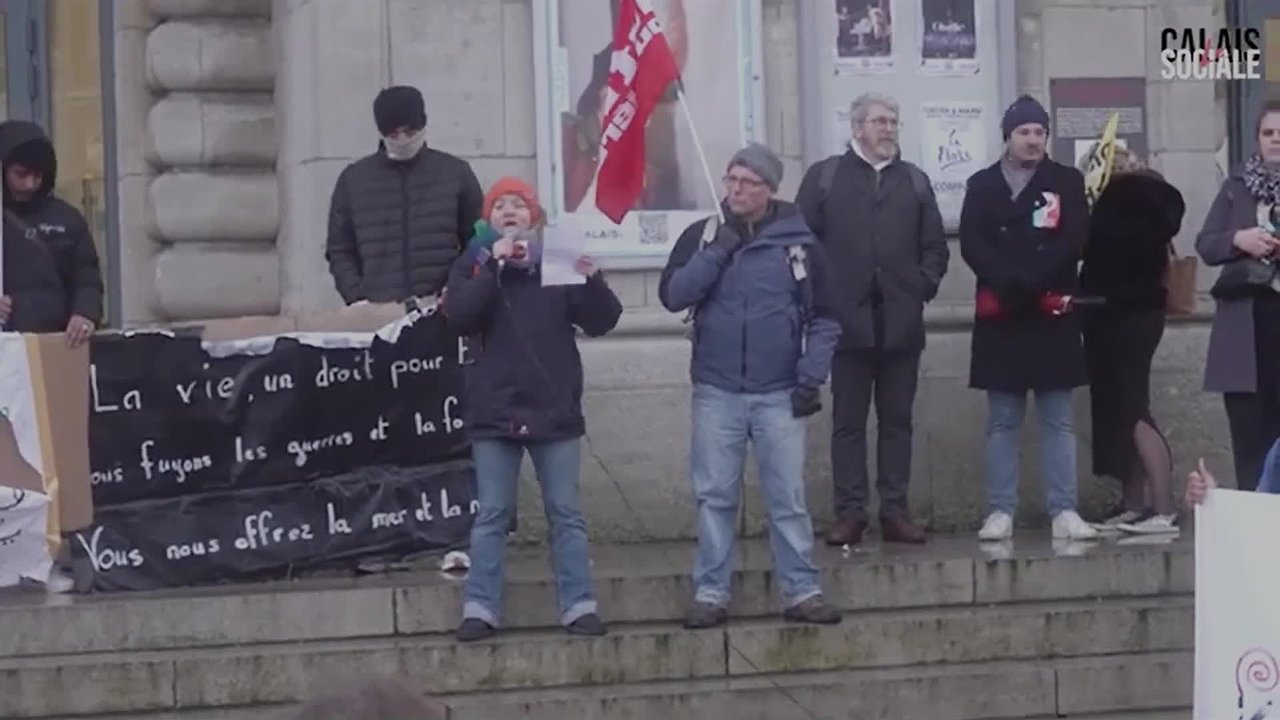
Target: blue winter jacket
[(756, 328)]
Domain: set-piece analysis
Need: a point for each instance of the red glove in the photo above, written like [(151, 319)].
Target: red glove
[(987, 304), (1055, 304)]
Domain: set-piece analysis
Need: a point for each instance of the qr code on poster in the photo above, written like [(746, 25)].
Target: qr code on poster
[(653, 229)]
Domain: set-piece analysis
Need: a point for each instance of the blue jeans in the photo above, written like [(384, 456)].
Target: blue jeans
[(1006, 412), (558, 465), (722, 423)]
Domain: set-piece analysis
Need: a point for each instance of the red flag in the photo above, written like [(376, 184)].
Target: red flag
[(641, 70)]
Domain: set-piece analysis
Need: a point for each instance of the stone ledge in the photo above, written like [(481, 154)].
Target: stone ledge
[(185, 129), (290, 673), (635, 584), (960, 635), (229, 54), (987, 691), (943, 317), (214, 206), (210, 8), (1160, 681), (1014, 691)]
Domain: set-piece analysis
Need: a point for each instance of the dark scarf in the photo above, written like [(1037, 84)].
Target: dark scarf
[(1263, 180)]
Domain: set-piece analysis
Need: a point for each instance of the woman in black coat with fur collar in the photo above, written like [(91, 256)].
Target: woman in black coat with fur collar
[(1131, 232)]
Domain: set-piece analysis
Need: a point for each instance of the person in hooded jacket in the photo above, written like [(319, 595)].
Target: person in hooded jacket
[(52, 276), (524, 393)]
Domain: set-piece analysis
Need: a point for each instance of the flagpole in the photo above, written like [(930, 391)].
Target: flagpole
[(697, 146)]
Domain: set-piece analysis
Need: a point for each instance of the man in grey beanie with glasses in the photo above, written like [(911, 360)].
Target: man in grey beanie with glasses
[(764, 332)]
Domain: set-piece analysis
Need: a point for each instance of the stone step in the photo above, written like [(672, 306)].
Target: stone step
[(280, 673), (982, 691), (636, 584)]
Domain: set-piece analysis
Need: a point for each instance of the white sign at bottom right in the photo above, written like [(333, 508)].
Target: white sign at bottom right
[(1237, 656)]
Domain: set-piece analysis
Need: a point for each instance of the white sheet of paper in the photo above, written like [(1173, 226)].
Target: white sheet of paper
[(560, 252)]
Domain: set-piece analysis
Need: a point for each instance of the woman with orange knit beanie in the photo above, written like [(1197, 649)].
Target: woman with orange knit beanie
[(524, 393)]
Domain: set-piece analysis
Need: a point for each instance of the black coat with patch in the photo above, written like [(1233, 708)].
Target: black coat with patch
[(1025, 348), (525, 382), (51, 266), (396, 227)]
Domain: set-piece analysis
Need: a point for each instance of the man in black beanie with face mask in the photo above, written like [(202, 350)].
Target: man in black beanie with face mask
[(399, 218), (52, 277)]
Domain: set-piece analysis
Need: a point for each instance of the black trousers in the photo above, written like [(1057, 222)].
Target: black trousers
[(891, 379), (1254, 422)]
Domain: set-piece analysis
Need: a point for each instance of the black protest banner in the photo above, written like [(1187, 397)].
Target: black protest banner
[(266, 532), (171, 416)]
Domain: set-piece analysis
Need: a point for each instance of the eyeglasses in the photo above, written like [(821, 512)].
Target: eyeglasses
[(731, 181), (883, 122)]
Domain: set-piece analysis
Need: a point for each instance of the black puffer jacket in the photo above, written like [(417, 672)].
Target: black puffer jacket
[(396, 227), (51, 267)]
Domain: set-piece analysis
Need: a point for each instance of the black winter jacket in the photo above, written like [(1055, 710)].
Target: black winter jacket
[(526, 379), (1130, 233), (51, 267), (396, 227), (1016, 251), (880, 235)]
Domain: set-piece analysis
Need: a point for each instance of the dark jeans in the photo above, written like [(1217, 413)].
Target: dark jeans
[(857, 376), (1254, 422)]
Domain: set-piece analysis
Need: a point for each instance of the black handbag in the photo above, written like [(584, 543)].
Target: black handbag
[(1246, 277), (1250, 276)]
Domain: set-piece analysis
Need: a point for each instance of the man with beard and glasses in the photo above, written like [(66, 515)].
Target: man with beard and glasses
[(401, 216), (877, 216)]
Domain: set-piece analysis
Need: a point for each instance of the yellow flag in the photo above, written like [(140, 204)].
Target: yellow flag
[(1101, 160)]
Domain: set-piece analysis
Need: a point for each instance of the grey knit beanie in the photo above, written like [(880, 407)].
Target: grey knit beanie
[(760, 160)]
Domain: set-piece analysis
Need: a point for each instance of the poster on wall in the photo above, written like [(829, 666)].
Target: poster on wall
[(1081, 107), (864, 36), (948, 37), (953, 146), (574, 49)]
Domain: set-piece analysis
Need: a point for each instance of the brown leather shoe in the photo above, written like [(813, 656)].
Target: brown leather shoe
[(901, 530), (846, 532)]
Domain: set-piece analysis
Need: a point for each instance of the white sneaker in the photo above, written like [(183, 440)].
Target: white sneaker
[(1069, 525), (999, 526), (1154, 525), (1114, 522)]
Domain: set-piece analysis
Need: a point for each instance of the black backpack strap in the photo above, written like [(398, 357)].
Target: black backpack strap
[(827, 176)]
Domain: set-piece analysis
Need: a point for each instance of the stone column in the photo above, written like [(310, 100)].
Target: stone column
[(212, 206), (133, 22)]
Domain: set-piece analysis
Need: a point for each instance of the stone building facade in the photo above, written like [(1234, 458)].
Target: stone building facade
[(234, 117)]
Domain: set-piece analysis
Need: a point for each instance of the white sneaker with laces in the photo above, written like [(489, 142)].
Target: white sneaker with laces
[(1154, 525), (998, 526), (1069, 525), (1114, 522)]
